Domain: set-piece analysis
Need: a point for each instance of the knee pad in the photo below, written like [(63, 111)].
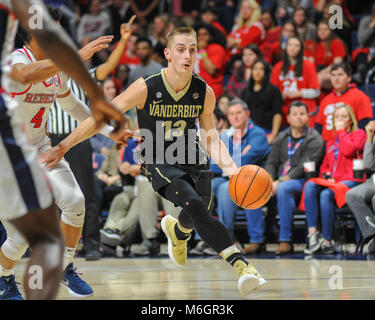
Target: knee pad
[(15, 246), (73, 213)]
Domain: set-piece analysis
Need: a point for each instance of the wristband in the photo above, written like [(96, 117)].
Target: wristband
[(203, 53)]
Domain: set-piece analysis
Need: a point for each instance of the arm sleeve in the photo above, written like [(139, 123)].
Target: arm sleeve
[(310, 93), (338, 49), (251, 36), (16, 58)]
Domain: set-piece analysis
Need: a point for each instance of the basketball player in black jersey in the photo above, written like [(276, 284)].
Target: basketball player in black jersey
[(169, 104)]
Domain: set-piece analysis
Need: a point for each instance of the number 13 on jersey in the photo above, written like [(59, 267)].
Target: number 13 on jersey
[(173, 129)]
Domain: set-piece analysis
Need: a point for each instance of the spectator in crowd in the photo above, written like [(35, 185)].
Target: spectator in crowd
[(344, 31), (129, 56), (210, 63), (343, 93), (158, 36), (325, 51), (297, 79), (119, 12), (158, 32), (220, 120), (273, 32), (122, 221), (121, 77), (143, 48), (336, 172), (223, 102), (108, 182), (293, 147), (248, 30), (247, 144), (364, 59), (94, 24), (209, 16), (264, 100), (240, 76), (149, 203), (305, 29), (361, 199), (145, 11), (288, 30)]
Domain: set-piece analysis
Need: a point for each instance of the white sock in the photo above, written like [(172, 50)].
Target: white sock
[(68, 256), (5, 272)]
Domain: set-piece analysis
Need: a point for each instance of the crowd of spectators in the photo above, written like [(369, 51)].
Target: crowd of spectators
[(283, 75)]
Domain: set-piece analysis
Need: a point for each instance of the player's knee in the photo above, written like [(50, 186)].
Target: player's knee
[(14, 247), (74, 213)]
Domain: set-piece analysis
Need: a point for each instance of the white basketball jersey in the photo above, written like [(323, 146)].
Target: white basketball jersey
[(36, 99)]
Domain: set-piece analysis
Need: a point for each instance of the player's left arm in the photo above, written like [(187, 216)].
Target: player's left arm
[(210, 139)]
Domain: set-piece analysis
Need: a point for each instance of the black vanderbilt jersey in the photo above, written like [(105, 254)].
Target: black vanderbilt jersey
[(168, 120)]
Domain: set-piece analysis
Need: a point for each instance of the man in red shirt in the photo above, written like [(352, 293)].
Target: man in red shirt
[(343, 93)]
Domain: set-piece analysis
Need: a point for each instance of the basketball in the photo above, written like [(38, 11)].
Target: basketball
[(251, 188)]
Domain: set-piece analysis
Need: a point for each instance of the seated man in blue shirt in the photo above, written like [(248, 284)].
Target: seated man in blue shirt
[(247, 144)]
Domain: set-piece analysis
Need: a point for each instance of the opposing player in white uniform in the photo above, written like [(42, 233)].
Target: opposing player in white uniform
[(35, 100), (26, 199)]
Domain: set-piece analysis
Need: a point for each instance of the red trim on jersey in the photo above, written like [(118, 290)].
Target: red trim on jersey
[(6, 9), (28, 55), (21, 93)]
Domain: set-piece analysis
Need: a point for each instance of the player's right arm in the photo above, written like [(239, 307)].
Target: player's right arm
[(134, 95), (58, 46), (41, 70)]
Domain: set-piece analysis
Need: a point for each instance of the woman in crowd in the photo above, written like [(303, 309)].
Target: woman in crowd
[(325, 51), (337, 166), (264, 100), (248, 30), (297, 79), (288, 30), (240, 76), (210, 64), (273, 32)]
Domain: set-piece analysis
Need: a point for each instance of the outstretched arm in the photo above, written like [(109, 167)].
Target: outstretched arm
[(210, 139), (41, 70), (135, 95), (58, 46), (107, 67)]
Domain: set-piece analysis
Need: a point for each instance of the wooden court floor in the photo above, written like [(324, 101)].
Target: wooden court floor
[(213, 279)]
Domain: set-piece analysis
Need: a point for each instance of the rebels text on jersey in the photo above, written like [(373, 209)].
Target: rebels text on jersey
[(36, 99)]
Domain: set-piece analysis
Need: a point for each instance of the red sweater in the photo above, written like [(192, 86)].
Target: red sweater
[(350, 147), (358, 100)]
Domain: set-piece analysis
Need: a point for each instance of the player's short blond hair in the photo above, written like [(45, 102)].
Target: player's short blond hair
[(178, 31)]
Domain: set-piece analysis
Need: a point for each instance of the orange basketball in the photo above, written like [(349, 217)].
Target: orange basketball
[(251, 188)]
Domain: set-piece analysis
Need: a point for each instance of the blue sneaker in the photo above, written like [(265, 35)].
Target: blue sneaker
[(8, 289), (76, 286)]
